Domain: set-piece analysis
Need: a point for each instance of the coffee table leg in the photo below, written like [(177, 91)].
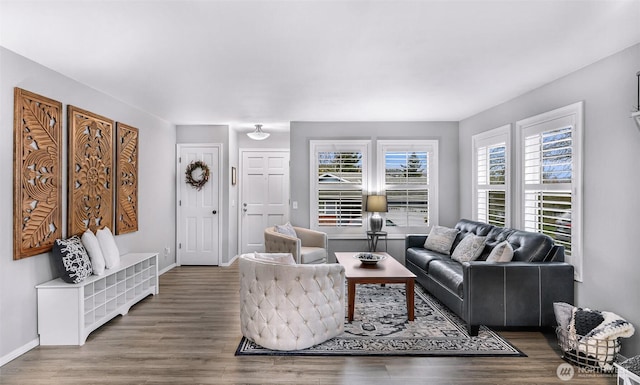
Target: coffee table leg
[(410, 297), (351, 294)]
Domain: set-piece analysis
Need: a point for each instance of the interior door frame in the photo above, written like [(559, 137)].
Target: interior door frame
[(180, 179), (241, 153)]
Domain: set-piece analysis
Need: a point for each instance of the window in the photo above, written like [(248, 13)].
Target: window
[(491, 176), (407, 174), (550, 178), (339, 173)]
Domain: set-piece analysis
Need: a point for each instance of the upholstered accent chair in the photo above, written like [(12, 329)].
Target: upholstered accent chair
[(290, 306), (309, 246)]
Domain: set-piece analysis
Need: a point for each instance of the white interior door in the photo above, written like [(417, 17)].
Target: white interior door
[(264, 197), (198, 210)]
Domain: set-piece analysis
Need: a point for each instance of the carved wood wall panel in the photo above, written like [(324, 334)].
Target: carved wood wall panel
[(37, 177), (90, 171), (127, 179)]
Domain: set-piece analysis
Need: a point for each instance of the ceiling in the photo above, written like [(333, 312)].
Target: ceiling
[(272, 62)]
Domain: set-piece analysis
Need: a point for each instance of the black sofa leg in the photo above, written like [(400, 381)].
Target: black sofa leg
[(473, 330)]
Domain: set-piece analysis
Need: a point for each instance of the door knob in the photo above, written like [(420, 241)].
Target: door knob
[(214, 212)]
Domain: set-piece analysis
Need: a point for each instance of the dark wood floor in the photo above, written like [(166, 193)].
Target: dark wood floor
[(189, 332)]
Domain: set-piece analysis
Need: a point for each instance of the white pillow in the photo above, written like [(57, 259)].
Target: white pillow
[(279, 258), (502, 252), (441, 239), (469, 248), (108, 247), (286, 229), (92, 245)]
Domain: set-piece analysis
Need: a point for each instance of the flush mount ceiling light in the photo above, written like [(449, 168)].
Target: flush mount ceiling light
[(258, 134)]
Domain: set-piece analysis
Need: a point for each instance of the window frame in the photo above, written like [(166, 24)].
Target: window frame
[(485, 139), (428, 145), (572, 115), (316, 146)]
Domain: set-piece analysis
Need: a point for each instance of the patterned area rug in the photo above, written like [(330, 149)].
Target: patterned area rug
[(380, 328)]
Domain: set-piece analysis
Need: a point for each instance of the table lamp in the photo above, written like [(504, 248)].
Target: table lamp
[(376, 204)]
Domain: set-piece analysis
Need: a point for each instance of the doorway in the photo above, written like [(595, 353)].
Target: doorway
[(264, 195), (199, 221)]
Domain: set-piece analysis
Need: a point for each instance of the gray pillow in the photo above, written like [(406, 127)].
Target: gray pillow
[(286, 229), (441, 239), (563, 312), (502, 252), (469, 248)]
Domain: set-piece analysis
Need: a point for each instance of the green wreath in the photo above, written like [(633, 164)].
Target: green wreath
[(204, 177)]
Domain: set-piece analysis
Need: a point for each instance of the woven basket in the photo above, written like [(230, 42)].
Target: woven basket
[(587, 352)]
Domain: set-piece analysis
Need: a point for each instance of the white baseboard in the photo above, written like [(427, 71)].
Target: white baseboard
[(18, 352), (171, 266), (230, 261)]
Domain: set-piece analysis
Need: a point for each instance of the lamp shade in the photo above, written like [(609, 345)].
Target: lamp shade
[(376, 204)]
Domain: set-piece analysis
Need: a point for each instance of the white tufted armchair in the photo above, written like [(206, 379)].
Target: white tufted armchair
[(309, 247), (290, 306)]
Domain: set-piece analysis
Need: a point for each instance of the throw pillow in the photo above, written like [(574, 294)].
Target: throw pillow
[(287, 229), (563, 312), (441, 239), (71, 260), (92, 246), (469, 248), (585, 320), (279, 258), (108, 247), (502, 252)]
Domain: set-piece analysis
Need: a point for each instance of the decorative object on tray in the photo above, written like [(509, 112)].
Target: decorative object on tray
[(198, 180), (592, 338), (126, 179), (382, 329), (90, 171), (37, 175), (369, 258)]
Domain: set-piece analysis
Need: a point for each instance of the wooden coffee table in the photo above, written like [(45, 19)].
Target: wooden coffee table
[(386, 271)]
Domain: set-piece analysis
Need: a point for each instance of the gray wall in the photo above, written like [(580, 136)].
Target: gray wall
[(610, 169), (18, 317), (445, 132)]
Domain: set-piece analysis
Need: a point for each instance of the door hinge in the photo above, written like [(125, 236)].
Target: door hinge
[(179, 159), (179, 245), (180, 203)]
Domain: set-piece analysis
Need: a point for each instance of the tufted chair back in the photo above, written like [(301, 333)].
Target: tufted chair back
[(290, 307), (309, 246)]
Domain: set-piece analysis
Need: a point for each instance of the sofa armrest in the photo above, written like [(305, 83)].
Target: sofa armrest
[(311, 238), (515, 293), (414, 240)]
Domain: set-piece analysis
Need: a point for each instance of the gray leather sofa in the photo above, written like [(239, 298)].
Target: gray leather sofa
[(519, 293)]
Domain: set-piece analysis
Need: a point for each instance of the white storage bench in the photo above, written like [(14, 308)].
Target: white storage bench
[(68, 312)]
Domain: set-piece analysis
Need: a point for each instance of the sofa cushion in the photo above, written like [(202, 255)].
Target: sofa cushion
[(466, 226), (313, 254), (71, 259), (422, 257), (503, 252), (469, 248), (529, 246), (449, 273), (278, 258), (441, 239)]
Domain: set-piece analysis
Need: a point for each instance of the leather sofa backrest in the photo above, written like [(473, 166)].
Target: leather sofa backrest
[(529, 246), (465, 226)]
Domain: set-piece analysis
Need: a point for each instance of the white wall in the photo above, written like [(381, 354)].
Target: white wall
[(156, 194), (611, 184), (445, 132)]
